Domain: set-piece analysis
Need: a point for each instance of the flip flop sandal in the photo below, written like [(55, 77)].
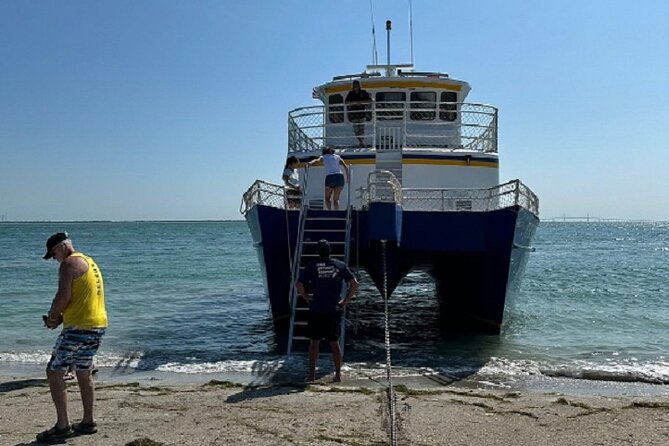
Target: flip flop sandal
[(54, 433), (85, 428)]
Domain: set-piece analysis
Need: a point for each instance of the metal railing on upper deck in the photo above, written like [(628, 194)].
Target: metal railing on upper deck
[(382, 188), (420, 124)]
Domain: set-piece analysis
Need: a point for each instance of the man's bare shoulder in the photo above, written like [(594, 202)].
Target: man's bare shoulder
[(73, 266)]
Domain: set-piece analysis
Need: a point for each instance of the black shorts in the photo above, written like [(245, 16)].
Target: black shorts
[(324, 326), (335, 180)]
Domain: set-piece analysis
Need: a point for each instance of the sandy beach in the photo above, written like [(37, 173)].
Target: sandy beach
[(349, 413)]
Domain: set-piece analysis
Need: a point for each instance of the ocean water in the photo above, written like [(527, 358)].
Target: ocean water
[(187, 297)]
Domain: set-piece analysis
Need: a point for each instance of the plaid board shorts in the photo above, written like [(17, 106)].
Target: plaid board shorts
[(75, 347)]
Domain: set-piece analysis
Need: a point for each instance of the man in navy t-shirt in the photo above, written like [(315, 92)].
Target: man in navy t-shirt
[(325, 277)]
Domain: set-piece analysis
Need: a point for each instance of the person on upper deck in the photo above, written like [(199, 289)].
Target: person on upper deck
[(358, 99), (292, 183), (334, 178)]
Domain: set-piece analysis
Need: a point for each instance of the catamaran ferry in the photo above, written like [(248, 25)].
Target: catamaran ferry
[(424, 194)]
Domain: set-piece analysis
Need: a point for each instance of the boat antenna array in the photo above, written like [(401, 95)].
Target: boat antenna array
[(411, 31), (389, 26), (375, 56)]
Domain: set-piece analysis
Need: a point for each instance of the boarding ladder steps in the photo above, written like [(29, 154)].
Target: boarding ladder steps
[(316, 224), (389, 150)]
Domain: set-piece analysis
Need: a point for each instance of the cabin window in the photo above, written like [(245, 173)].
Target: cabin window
[(390, 104), (423, 100), (448, 106), (336, 108)]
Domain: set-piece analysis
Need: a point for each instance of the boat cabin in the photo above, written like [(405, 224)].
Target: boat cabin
[(411, 109), (415, 125)]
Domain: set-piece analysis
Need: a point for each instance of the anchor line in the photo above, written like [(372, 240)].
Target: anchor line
[(390, 390)]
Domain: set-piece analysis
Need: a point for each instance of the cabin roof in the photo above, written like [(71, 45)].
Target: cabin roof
[(397, 76)]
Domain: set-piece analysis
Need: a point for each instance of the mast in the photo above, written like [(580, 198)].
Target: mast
[(389, 26)]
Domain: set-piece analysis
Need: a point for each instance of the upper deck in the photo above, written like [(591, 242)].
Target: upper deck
[(407, 110), (415, 142)]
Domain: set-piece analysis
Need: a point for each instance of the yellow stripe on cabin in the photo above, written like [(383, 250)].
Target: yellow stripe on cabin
[(451, 162)]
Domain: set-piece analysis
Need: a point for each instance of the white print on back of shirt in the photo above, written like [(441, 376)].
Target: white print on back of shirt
[(326, 271)]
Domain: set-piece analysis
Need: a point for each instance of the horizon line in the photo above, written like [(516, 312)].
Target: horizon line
[(121, 221), (602, 219)]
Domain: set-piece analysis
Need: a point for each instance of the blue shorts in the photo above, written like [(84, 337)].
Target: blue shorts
[(334, 180), (75, 347)]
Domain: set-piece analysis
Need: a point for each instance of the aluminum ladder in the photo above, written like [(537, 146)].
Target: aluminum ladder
[(314, 225)]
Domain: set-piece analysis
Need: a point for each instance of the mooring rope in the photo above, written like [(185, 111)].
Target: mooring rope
[(392, 400)]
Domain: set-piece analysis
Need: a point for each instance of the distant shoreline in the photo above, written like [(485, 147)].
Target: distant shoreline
[(545, 220), (599, 220), (118, 221)]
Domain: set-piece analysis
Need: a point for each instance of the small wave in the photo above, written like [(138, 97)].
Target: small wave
[(493, 370), (39, 357), (101, 360), (643, 372), (508, 367), (131, 361), (229, 366), (648, 373)]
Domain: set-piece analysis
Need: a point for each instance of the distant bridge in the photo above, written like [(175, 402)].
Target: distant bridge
[(591, 218)]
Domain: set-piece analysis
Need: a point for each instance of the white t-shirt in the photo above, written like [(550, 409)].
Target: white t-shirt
[(293, 178), (331, 163)]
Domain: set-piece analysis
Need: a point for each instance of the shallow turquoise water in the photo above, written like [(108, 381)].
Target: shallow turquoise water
[(188, 297)]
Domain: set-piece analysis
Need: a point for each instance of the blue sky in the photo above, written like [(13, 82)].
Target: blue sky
[(134, 110)]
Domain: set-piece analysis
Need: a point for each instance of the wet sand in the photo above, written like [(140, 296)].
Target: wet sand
[(347, 413)]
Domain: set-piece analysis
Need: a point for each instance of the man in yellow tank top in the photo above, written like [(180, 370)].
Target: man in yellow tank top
[(79, 305)]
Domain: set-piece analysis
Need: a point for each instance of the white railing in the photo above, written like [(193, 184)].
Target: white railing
[(471, 200), (263, 192), (422, 125), (384, 187)]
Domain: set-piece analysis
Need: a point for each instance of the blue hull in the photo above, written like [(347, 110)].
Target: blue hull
[(476, 259)]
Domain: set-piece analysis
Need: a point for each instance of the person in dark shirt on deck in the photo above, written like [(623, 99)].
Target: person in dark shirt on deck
[(292, 182), (324, 277), (358, 99)]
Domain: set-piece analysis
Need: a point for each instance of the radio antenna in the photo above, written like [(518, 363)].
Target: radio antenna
[(375, 56), (411, 29), (389, 26)]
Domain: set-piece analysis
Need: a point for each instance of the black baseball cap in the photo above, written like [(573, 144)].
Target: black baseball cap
[(53, 241)]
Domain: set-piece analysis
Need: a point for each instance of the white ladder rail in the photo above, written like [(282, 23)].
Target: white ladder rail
[(300, 257), (347, 248), (295, 274)]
